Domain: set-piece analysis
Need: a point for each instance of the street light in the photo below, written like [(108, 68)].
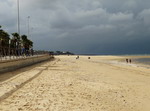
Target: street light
[(28, 26), (18, 17), (9, 48)]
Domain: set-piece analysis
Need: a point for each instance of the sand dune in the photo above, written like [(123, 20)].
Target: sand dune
[(96, 84)]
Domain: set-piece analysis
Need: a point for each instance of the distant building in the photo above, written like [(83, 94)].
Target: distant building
[(63, 53)]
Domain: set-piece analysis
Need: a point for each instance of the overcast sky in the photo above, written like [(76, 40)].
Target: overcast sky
[(82, 26)]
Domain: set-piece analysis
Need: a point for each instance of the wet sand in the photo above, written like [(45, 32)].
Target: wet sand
[(96, 84)]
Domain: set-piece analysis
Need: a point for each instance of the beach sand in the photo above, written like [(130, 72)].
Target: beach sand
[(97, 84)]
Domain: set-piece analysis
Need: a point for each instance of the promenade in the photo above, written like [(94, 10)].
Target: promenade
[(7, 58), (70, 84)]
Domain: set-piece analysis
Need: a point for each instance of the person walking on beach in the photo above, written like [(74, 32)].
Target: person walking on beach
[(130, 61), (77, 57), (127, 60)]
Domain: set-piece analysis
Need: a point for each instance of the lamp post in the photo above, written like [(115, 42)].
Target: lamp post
[(9, 46), (18, 17), (28, 26)]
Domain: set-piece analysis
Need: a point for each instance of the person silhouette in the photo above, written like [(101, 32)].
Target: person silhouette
[(127, 60), (130, 61)]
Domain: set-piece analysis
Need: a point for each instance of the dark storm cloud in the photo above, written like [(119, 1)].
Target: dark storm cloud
[(87, 26)]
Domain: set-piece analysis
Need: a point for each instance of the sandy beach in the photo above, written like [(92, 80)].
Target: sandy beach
[(96, 84)]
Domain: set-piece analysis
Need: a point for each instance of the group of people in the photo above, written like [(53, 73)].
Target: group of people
[(128, 61), (78, 57)]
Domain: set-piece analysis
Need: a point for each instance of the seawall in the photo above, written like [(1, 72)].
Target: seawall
[(10, 65)]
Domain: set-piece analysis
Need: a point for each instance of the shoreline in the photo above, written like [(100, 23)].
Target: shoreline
[(122, 60), (135, 61)]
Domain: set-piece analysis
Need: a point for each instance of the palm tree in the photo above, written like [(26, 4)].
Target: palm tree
[(16, 43), (4, 38), (16, 36), (27, 44), (4, 42)]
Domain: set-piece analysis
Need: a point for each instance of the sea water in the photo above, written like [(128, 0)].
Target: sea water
[(145, 61)]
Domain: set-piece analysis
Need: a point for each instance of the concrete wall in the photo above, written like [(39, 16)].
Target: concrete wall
[(9, 65)]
